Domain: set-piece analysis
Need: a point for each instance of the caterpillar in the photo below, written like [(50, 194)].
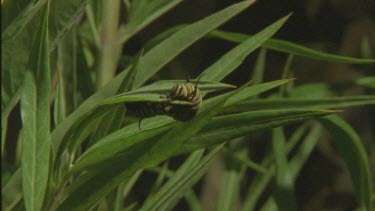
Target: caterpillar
[(182, 104), (185, 101)]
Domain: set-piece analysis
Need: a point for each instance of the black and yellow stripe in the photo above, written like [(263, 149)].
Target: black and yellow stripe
[(188, 93), (182, 104)]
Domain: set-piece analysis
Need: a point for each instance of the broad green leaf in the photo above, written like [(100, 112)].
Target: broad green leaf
[(231, 60), (35, 113), (152, 61), (157, 91), (16, 39), (88, 119), (176, 43), (228, 127), (296, 103), (142, 13), (114, 143), (142, 155), (354, 154), (110, 141), (284, 191), (290, 48), (113, 120)]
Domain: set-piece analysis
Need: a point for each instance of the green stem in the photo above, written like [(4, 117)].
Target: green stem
[(109, 47)]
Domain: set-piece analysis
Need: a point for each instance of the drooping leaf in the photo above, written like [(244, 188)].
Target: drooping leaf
[(354, 154), (290, 48)]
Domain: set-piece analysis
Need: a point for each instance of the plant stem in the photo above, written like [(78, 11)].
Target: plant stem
[(109, 47)]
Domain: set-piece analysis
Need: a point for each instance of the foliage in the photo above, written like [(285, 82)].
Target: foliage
[(81, 148)]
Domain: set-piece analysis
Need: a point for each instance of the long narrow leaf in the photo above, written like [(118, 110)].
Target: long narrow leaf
[(142, 155), (284, 192), (231, 60), (183, 38), (354, 154), (152, 61), (181, 180), (35, 112), (228, 127), (290, 48), (295, 103)]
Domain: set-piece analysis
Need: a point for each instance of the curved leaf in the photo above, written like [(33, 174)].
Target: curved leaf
[(291, 48), (354, 154)]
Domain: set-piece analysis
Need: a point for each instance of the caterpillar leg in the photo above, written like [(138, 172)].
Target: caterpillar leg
[(139, 123)]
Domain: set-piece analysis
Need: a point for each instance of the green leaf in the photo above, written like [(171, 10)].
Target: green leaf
[(151, 62), (233, 171), (183, 179), (124, 189), (305, 150), (250, 91), (284, 192), (368, 82), (354, 154), (259, 67), (182, 39), (142, 13), (311, 90), (271, 44), (16, 39), (35, 113), (290, 48), (228, 127), (12, 191), (142, 155), (261, 181), (231, 60), (301, 156), (114, 143), (154, 91), (297, 103)]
